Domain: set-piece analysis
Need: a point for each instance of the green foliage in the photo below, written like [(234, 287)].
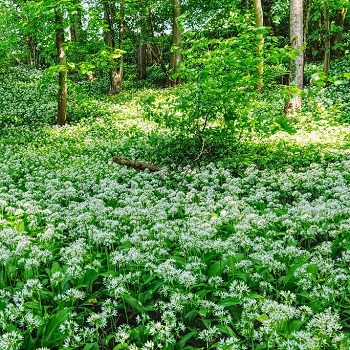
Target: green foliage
[(96, 256)]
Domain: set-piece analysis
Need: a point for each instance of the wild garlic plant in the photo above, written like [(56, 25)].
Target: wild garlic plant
[(104, 257)]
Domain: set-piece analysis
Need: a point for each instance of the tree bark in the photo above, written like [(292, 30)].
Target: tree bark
[(76, 22), (33, 51), (62, 75), (141, 68), (327, 40), (267, 11), (307, 10), (339, 22), (175, 55), (259, 22), (296, 39), (155, 49), (136, 164), (116, 70)]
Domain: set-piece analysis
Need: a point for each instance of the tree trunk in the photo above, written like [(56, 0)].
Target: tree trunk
[(142, 61), (121, 44), (175, 55), (307, 10), (116, 70), (62, 75), (267, 11), (33, 52), (259, 22), (296, 39), (155, 49), (141, 69), (339, 22), (327, 40), (76, 23)]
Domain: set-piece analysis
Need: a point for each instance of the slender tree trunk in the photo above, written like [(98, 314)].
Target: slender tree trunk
[(76, 23), (155, 49), (141, 70), (339, 22), (115, 73), (327, 40), (259, 22), (121, 44), (33, 54), (267, 11), (307, 10), (296, 39), (142, 61), (175, 55), (62, 75)]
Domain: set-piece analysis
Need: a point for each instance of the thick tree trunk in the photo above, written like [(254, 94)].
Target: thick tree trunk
[(62, 75), (175, 55), (259, 22), (327, 40), (296, 39)]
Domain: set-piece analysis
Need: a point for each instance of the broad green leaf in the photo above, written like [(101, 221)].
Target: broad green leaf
[(92, 346), (262, 318), (51, 335), (294, 326), (226, 330), (56, 267), (180, 345), (89, 278), (134, 303), (217, 268), (229, 302)]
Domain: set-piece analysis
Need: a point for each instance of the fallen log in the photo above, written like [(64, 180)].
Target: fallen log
[(136, 164)]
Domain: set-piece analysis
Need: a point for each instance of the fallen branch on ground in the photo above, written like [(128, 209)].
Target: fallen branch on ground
[(136, 165)]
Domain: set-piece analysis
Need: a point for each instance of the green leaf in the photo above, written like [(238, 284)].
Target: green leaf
[(312, 268), (294, 325), (56, 267), (20, 226), (202, 311), (51, 335), (226, 330), (121, 346), (217, 268), (229, 302), (207, 323), (91, 346), (180, 345), (32, 305), (89, 278), (109, 338), (134, 303), (262, 318), (284, 123)]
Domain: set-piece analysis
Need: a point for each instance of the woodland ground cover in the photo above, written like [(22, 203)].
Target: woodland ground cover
[(251, 252)]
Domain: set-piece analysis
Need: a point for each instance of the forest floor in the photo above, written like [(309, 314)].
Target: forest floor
[(246, 249)]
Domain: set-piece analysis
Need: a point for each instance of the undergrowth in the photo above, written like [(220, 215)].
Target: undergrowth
[(245, 248)]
